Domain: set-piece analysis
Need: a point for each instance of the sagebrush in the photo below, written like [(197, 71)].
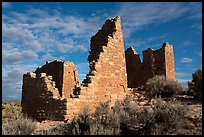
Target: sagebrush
[(127, 117), (160, 86), (19, 126)]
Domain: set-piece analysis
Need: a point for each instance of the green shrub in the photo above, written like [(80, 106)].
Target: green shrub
[(19, 126), (195, 86), (160, 86)]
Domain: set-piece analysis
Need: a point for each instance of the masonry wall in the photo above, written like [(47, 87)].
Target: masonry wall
[(41, 99), (107, 78), (64, 74), (155, 62), (55, 69), (169, 60), (70, 79), (45, 92), (49, 92), (106, 81), (107, 75), (133, 66)]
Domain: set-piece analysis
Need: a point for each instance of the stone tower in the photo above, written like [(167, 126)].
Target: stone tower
[(169, 61), (64, 74), (155, 62)]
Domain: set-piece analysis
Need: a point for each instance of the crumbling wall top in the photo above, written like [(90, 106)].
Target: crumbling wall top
[(131, 50)]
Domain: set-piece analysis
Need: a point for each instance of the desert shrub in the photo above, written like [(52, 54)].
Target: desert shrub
[(106, 121), (60, 129), (132, 117), (10, 111), (128, 118), (102, 122), (195, 86), (160, 86), (168, 116), (162, 119), (81, 125), (19, 126)]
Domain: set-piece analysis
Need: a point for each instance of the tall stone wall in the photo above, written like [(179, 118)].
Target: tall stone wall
[(155, 62), (70, 79), (133, 66), (169, 61), (107, 78), (107, 62)]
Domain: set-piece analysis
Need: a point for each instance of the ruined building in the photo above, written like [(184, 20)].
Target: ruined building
[(54, 92), (155, 62)]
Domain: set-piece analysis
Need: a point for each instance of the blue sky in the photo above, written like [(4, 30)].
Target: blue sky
[(35, 32)]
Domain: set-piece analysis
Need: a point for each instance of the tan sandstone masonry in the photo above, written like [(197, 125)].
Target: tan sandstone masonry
[(45, 91), (107, 78), (106, 81), (41, 99), (53, 90), (155, 62), (64, 74), (107, 62)]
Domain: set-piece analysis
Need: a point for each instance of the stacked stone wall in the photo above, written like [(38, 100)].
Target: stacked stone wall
[(41, 99), (155, 62), (53, 91), (107, 76), (133, 66), (169, 61), (64, 74), (55, 69)]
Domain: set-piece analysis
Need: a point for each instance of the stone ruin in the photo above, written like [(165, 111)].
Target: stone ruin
[(53, 91), (155, 62)]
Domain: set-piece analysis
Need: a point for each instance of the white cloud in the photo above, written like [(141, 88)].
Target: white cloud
[(47, 31), (186, 43), (81, 76), (137, 15), (37, 36), (12, 55), (182, 74), (140, 14), (12, 79), (196, 10), (19, 35), (184, 82), (186, 60), (82, 65), (143, 43)]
